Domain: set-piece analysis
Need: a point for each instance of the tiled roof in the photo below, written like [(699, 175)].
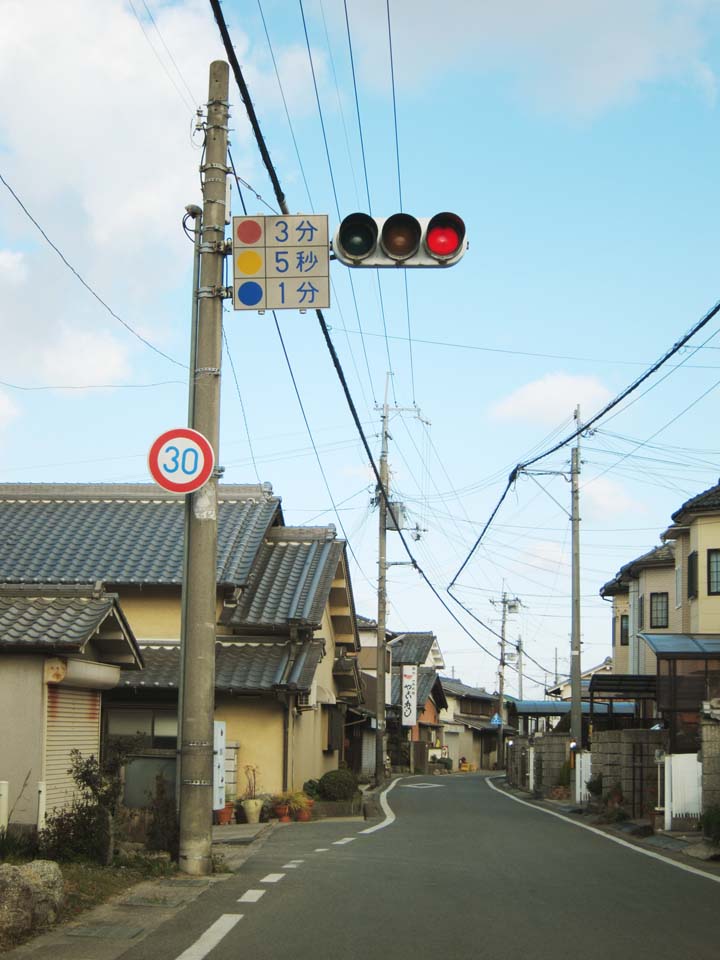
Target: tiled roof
[(51, 622), (425, 682), (257, 667), (661, 556), (291, 579), (455, 688), (411, 648), (708, 500), (120, 533)]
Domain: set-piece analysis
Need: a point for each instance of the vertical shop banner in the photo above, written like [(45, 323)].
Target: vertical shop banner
[(409, 696)]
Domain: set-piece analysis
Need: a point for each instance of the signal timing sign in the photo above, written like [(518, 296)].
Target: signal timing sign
[(281, 263)]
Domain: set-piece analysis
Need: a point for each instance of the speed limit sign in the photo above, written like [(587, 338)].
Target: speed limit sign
[(181, 460)]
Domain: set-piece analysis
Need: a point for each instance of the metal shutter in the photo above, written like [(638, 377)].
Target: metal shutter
[(72, 723)]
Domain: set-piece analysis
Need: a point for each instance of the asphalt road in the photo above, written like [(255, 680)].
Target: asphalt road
[(463, 871)]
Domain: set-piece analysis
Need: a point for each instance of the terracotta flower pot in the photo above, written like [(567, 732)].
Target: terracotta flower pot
[(225, 815), (303, 814), (281, 812)]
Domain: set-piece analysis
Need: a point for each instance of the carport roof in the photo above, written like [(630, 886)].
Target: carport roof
[(683, 644)]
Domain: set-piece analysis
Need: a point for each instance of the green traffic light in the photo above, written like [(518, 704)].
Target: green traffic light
[(358, 236)]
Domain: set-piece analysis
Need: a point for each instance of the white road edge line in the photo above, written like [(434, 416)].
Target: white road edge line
[(607, 836), (212, 937), (389, 815)]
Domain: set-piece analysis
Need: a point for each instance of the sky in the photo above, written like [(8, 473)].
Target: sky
[(577, 141)]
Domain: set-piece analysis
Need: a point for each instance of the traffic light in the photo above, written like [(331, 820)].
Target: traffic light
[(400, 240)]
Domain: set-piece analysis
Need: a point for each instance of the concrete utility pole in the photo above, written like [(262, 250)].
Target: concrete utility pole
[(382, 597), (575, 666), (520, 668), (199, 585), (501, 685)]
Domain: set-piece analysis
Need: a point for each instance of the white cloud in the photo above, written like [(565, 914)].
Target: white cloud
[(605, 497), (583, 57), (13, 268), (8, 410), (551, 399)]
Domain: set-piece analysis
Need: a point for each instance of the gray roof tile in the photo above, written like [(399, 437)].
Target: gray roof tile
[(411, 648), (425, 682), (291, 579), (455, 688), (247, 667), (52, 622), (58, 533), (707, 500)]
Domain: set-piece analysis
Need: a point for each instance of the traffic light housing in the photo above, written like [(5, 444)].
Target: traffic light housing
[(400, 240)]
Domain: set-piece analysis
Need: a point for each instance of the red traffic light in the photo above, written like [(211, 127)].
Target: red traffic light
[(400, 240), (445, 235)]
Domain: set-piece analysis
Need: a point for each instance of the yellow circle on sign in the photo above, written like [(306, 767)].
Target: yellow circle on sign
[(249, 262)]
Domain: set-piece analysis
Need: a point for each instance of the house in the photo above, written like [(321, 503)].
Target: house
[(467, 730), (563, 689), (286, 633), (61, 647), (408, 745)]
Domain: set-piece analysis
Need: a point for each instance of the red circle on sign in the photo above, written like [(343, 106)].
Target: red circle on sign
[(172, 468), (249, 231)]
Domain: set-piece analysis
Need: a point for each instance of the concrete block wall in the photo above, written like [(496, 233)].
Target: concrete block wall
[(710, 734), (552, 750), (606, 758), (515, 762), (616, 756)]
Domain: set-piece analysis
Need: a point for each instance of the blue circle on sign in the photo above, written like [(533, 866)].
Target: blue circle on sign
[(250, 293)]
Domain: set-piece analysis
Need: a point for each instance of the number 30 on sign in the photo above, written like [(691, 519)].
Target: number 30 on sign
[(181, 460)]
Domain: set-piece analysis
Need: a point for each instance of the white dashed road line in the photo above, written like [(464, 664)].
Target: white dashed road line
[(251, 896), (321, 849), (272, 878), (290, 866), (212, 936), (339, 843)]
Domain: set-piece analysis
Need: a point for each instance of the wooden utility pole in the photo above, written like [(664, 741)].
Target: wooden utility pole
[(199, 581), (575, 666), (382, 597), (501, 685)]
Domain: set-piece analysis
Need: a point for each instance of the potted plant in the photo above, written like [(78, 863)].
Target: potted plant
[(225, 815), (252, 803), (299, 805), (281, 807)]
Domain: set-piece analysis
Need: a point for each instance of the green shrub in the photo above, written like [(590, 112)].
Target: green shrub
[(74, 834), (17, 845), (312, 789), (595, 784), (338, 785), (710, 823)]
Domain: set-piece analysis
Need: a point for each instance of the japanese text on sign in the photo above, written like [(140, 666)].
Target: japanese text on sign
[(409, 696), (281, 263)]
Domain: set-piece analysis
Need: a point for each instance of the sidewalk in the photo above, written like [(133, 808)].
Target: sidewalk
[(108, 930)]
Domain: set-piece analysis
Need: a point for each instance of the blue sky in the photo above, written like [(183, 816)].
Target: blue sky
[(579, 143)]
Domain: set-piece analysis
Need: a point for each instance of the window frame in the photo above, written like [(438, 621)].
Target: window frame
[(692, 575), (653, 613), (624, 630), (712, 553), (641, 611)]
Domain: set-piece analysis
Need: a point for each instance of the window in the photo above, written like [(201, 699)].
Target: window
[(692, 577), (713, 571), (641, 612), (678, 586), (658, 610), (624, 630)]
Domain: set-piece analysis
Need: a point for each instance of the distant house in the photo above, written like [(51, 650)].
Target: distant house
[(61, 648), (286, 634), (467, 730)]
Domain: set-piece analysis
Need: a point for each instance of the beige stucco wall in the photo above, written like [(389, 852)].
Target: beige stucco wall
[(153, 612), (257, 725), (657, 580), (705, 610), (621, 607), (22, 695)]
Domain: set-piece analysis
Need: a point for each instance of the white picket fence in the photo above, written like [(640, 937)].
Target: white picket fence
[(683, 787)]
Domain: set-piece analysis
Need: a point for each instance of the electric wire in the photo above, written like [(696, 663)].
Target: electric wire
[(242, 405), (702, 322), (87, 286), (329, 343), (169, 53), (191, 105)]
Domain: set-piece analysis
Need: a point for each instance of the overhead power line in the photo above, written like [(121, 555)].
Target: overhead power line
[(87, 286), (217, 10)]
